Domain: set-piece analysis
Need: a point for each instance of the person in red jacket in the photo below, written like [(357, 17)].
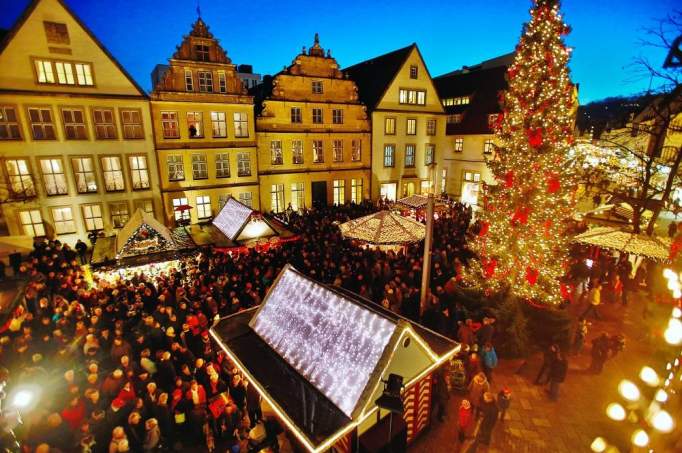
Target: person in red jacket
[(465, 420), (74, 413)]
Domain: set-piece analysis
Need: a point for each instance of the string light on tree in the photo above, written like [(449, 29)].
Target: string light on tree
[(522, 245)]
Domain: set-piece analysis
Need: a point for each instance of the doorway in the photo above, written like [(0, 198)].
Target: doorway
[(319, 193)]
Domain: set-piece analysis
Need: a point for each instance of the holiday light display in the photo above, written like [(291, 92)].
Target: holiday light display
[(521, 243), (142, 235), (334, 343), (384, 228), (232, 217)]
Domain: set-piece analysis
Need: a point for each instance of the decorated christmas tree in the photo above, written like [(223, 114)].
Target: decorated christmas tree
[(521, 244)]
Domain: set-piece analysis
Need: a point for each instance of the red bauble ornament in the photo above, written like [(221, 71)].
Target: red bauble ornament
[(553, 183), (489, 267), (534, 137), (520, 215), (532, 275), (485, 227), (566, 292), (509, 179)]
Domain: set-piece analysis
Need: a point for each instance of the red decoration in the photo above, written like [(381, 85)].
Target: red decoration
[(485, 227), (498, 121), (553, 183), (676, 246), (509, 179), (566, 292), (520, 215), (489, 267), (547, 225), (534, 137), (532, 275)]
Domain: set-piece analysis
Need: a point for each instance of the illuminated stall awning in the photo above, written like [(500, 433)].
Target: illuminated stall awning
[(626, 241), (239, 223), (384, 228), (143, 234), (318, 355), (414, 201)]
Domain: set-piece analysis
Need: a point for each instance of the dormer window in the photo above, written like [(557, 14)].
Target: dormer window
[(201, 52), (189, 81), (413, 72), (205, 82), (317, 87)]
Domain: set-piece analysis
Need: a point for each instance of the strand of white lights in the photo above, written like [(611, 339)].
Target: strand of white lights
[(646, 407)]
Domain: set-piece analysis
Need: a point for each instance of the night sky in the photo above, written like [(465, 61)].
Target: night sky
[(450, 33)]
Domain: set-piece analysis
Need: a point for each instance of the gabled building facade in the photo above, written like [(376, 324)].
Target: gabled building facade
[(76, 145), (408, 123), (313, 135), (203, 130)]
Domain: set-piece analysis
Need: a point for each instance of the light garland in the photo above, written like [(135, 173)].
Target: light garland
[(624, 241), (232, 218), (384, 227)]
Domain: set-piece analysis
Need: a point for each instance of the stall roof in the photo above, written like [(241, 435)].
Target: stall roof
[(317, 354), (137, 221), (234, 219), (384, 228)]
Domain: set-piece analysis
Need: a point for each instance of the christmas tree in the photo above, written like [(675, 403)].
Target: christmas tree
[(521, 243)]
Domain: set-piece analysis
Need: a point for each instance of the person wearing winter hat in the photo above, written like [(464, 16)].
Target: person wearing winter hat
[(503, 401), (478, 386), (490, 412), (152, 435), (465, 420)]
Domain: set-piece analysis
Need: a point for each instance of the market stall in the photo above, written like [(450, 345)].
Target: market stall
[(318, 356), (384, 230), (652, 247), (414, 207)]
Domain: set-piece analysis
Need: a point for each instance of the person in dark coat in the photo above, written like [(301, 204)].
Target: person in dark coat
[(600, 352), (548, 359), (81, 248), (485, 333), (165, 372), (490, 413), (503, 401), (557, 375), (440, 395)]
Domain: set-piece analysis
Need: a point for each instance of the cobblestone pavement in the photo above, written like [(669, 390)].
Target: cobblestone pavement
[(536, 424)]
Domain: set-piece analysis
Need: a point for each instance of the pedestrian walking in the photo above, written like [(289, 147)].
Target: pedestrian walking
[(440, 395), (81, 248), (465, 420), (557, 375), (600, 348), (503, 401), (489, 361), (490, 412), (594, 301), (478, 386), (580, 334), (548, 359)]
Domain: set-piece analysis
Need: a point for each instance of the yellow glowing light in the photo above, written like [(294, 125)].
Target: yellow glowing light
[(640, 438), (673, 334), (628, 390), (669, 274), (662, 421), (598, 445), (615, 412), (677, 312), (661, 396), (649, 376)]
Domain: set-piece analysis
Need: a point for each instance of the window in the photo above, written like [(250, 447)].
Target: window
[(180, 215), (296, 115), (389, 126), (44, 71), (297, 195), (218, 124), (205, 82), (356, 195), (195, 125), (20, 179), (222, 82), (222, 165), (471, 182), (459, 145), (63, 220), (132, 123), (199, 166), (417, 97), (68, 73), (389, 155), (388, 191), (203, 206), (53, 176), (337, 116), (105, 128), (176, 169), (443, 180), (409, 155), (169, 124), (189, 80), (56, 33), (84, 74), (413, 72), (488, 147), (276, 152), (201, 52), (356, 150), (246, 198), (74, 124), (429, 154), (243, 164), (411, 128), (317, 87), (241, 124), (431, 127), (338, 187), (32, 223), (139, 172), (277, 198), (426, 187), (462, 100), (92, 215), (492, 121), (318, 152), (147, 205), (317, 116), (9, 124), (454, 119), (337, 150), (42, 127), (119, 214), (113, 174), (64, 73), (297, 151), (84, 174)]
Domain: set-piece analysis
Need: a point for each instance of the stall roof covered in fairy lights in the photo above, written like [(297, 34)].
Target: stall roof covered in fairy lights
[(239, 222), (653, 247), (141, 232), (318, 354), (384, 228)]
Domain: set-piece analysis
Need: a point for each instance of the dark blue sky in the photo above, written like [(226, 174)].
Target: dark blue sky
[(450, 33)]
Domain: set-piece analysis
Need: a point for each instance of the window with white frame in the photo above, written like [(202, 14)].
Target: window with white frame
[(64, 73), (296, 116), (9, 123), (74, 124), (415, 97), (431, 126), (356, 150), (429, 153), (317, 87), (410, 151), (44, 71), (119, 213), (113, 173), (32, 223), (204, 206), (219, 124), (389, 155), (241, 124), (53, 176), (414, 71), (411, 127), (461, 100), (84, 174), (297, 151), (42, 125), (356, 191), (277, 197), (199, 166), (297, 195), (222, 165), (180, 215), (205, 82), (20, 180), (459, 145), (63, 220), (318, 152), (337, 116), (169, 124), (84, 74), (389, 126), (488, 147), (222, 82), (139, 172), (339, 190), (176, 168), (337, 150), (105, 128), (471, 182), (276, 157), (92, 215), (246, 198), (243, 164), (64, 70), (189, 80), (131, 120), (195, 126)]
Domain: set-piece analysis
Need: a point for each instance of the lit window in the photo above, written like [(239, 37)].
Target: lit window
[(222, 165), (241, 124), (132, 123), (411, 126), (53, 176), (413, 72), (277, 198), (44, 71), (84, 173), (20, 179), (356, 150), (204, 206), (147, 205), (488, 147), (139, 172), (337, 150), (195, 126), (222, 82), (189, 80), (64, 73), (297, 195), (74, 124), (455, 118), (337, 116), (180, 215), (276, 152), (389, 126), (105, 129), (356, 194), (243, 164), (92, 214), (176, 169), (389, 155), (296, 115), (443, 180), (84, 74), (169, 124), (471, 182), (63, 220), (412, 96), (113, 174), (297, 151), (429, 154), (199, 166), (421, 97), (42, 127), (317, 87), (459, 145), (318, 152), (219, 124), (246, 198), (9, 124), (431, 127), (205, 82), (317, 116), (32, 223), (409, 155), (338, 188)]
